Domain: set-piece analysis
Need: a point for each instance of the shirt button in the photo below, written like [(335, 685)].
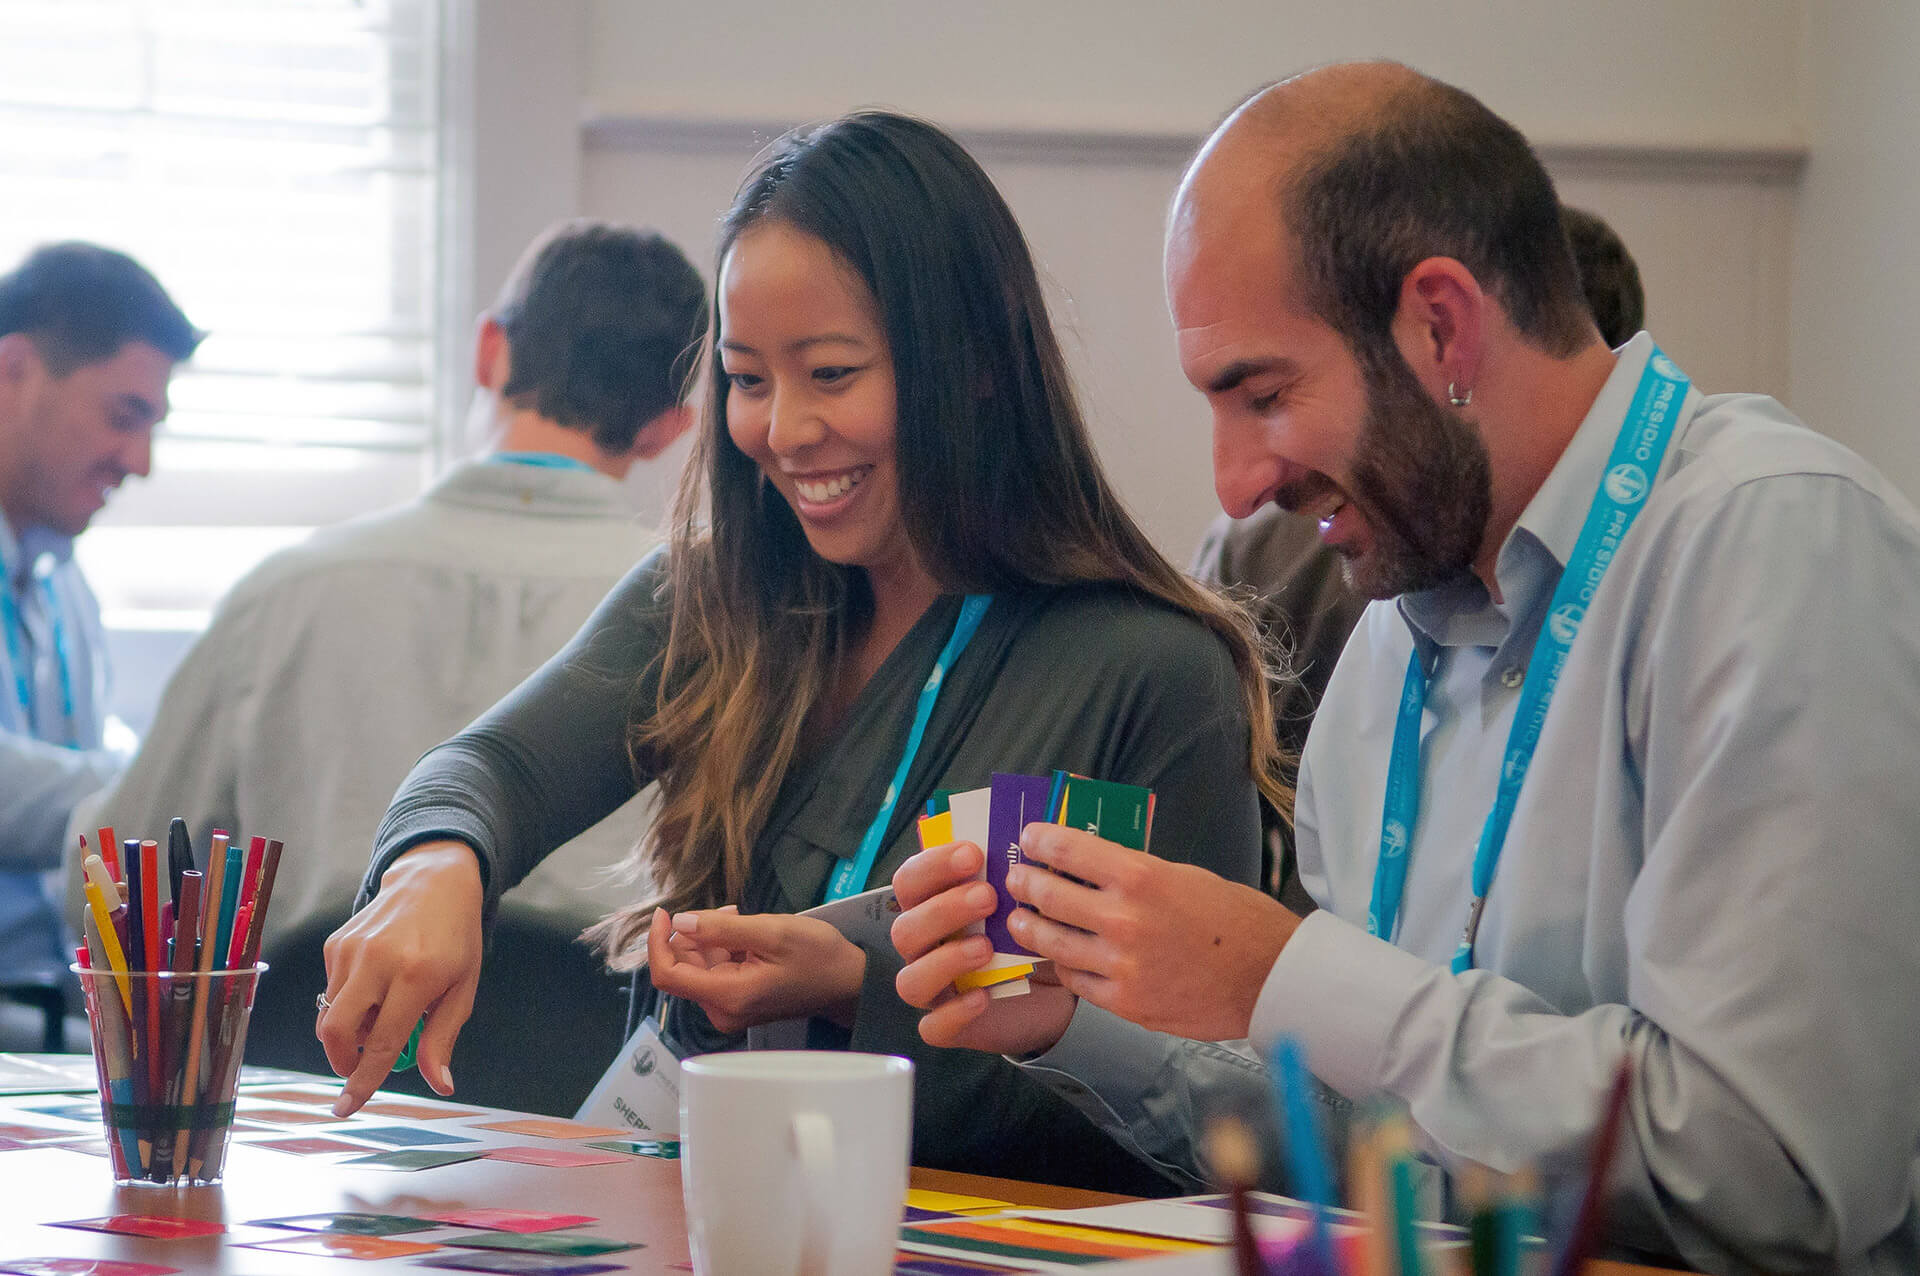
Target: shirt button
[(1513, 677)]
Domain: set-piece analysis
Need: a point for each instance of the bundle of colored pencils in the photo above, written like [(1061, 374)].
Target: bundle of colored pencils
[(171, 992)]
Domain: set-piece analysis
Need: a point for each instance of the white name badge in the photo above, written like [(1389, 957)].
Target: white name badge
[(641, 1091)]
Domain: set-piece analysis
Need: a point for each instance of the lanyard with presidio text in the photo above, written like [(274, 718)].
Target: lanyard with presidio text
[(1637, 454), (851, 877), (16, 626)]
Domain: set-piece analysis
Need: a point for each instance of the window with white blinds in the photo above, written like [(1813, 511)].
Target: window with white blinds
[(274, 163)]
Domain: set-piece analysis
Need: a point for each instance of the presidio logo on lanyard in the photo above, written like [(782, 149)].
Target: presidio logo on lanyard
[(16, 626), (1637, 454), (851, 878)]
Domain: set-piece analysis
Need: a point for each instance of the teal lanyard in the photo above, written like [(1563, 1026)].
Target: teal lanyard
[(541, 460), (1637, 453), (16, 626), (851, 877)]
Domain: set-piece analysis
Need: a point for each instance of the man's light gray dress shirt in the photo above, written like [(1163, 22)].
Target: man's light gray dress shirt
[(1713, 867)]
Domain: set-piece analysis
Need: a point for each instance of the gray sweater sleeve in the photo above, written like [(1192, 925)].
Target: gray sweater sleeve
[(550, 760)]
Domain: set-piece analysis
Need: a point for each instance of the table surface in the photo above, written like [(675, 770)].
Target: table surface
[(637, 1199)]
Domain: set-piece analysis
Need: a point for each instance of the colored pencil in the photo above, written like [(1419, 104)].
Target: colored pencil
[(1306, 1154), (1234, 1160), (229, 897), (269, 869), (180, 996), (152, 960), (256, 856), (1366, 1183), (1396, 1155), (225, 1069), (109, 850), (109, 942), (196, 1030), (179, 855), (111, 1027), (1584, 1235)]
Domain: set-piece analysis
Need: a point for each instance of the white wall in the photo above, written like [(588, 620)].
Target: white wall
[(1084, 111), (1856, 244), (1702, 71)]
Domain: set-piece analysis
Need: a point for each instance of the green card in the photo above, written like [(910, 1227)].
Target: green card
[(665, 1149), (351, 1224), (412, 1159), (541, 1243), (1120, 813)]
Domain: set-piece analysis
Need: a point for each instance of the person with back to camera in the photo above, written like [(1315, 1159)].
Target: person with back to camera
[(898, 477)]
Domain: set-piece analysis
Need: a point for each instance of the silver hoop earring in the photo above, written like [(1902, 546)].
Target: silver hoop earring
[(1456, 398)]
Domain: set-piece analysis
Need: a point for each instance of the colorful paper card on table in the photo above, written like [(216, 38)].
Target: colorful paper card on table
[(664, 1149), (551, 1128), (406, 1136), (543, 1243), (553, 1158), (909, 1214), (87, 1147), (1038, 1246), (317, 1145), (953, 1202), (927, 1265), (507, 1261), (1204, 1219), (88, 1113), (344, 1245), (351, 1224), (509, 1220), (158, 1227), (34, 1134), (405, 1110), (312, 1096), (413, 1159), (81, 1267), (274, 1115)]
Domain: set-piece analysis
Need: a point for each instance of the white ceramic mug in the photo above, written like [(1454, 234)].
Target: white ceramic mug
[(794, 1162)]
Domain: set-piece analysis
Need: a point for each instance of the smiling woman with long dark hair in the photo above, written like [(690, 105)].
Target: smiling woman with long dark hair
[(893, 481)]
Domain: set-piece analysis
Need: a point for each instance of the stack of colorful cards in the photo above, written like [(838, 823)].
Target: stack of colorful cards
[(993, 819)]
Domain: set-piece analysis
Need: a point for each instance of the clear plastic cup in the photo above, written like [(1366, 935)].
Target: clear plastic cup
[(167, 1048)]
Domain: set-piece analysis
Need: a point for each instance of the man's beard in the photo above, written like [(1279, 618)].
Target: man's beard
[(1423, 482)]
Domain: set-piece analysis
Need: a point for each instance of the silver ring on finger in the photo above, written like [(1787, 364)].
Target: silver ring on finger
[(320, 1002)]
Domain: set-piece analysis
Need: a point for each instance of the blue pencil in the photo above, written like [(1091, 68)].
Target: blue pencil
[(1306, 1153), (229, 899)]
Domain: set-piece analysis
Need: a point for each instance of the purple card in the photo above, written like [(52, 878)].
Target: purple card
[(551, 1264), (1018, 800)]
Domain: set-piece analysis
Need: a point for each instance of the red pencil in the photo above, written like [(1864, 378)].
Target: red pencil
[(110, 853), (1584, 1236)]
